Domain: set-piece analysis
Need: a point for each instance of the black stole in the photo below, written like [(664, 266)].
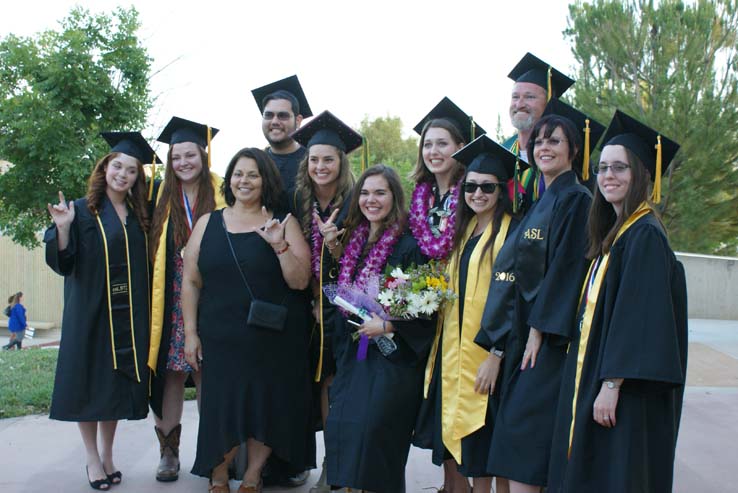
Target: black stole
[(120, 303)]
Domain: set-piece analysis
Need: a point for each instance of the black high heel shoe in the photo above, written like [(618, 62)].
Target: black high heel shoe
[(98, 484), (117, 475)]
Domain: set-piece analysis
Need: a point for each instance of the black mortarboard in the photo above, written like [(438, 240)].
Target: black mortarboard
[(447, 110), (289, 89), (132, 144), (591, 129), (179, 130), (653, 149), (534, 70), (327, 129), (484, 155)]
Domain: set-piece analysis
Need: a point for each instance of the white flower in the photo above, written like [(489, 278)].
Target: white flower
[(386, 298), (414, 303), (428, 303), (398, 274)]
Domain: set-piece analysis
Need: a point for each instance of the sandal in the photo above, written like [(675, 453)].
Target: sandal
[(218, 488), (251, 488), (98, 484), (115, 478)]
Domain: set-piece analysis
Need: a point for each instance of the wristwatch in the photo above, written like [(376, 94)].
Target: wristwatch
[(610, 384), (498, 352)]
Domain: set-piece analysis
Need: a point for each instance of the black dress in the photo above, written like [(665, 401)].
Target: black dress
[(255, 381), (548, 265), (639, 333), (86, 387), (374, 402)]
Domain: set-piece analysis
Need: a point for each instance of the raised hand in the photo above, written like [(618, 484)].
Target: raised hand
[(328, 229), (62, 213), (273, 230)]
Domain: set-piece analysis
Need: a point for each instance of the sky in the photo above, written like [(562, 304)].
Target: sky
[(355, 58)]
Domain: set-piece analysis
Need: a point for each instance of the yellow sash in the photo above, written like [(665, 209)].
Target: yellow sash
[(463, 411), (158, 287), (589, 310)]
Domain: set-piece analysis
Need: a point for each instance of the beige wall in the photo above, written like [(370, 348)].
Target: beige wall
[(712, 286), (24, 270)]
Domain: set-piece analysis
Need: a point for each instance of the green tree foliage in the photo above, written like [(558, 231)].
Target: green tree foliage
[(386, 145), (58, 91), (673, 65)]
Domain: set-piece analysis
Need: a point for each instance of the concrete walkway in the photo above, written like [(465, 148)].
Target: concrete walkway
[(40, 455)]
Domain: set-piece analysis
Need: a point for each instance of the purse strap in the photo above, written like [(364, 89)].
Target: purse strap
[(233, 252)]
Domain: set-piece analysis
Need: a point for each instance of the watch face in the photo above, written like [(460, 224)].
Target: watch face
[(610, 385)]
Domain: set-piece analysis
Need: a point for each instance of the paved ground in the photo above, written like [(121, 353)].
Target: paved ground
[(40, 455)]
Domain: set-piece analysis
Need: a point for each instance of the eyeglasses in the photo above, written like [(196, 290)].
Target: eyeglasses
[(553, 142), (281, 116), (470, 187), (616, 168)]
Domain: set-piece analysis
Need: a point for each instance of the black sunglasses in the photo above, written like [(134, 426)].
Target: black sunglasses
[(470, 187)]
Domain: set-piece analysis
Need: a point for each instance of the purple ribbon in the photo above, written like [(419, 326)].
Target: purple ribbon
[(363, 347)]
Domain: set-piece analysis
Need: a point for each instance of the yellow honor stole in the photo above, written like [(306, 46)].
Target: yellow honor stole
[(598, 271), (158, 288), (462, 410)]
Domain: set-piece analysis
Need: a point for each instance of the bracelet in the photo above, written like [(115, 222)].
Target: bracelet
[(286, 247), (333, 246)]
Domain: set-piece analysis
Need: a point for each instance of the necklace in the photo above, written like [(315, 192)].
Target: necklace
[(317, 240), (375, 260), (433, 244)]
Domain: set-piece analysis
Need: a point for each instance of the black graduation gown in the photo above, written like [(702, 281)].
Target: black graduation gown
[(547, 263), (639, 333), (86, 387), (288, 164), (374, 402)]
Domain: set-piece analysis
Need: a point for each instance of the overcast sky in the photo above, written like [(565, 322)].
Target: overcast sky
[(355, 58)]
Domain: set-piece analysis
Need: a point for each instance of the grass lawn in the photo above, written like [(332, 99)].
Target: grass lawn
[(27, 379)]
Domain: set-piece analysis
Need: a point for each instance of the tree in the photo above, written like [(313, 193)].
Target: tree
[(673, 66), (384, 140), (58, 91)]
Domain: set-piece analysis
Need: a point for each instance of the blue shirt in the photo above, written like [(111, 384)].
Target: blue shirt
[(17, 320)]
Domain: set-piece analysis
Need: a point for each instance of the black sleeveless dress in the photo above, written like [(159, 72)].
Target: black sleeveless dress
[(255, 381)]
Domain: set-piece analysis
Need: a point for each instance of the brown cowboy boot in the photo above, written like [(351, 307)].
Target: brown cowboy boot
[(168, 469)]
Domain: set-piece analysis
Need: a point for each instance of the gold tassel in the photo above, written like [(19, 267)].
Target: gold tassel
[(209, 137), (548, 97), (364, 153), (153, 175), (585, 165), (473, 129), (657, 178), (515, 184)]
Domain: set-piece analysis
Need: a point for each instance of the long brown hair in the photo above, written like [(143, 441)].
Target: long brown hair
[(397, 214), (604, 223), (97, 186), (421, 173), (306, 191), (170, 204), (464, 215)]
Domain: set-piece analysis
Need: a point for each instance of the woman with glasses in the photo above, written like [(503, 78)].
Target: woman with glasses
[(623, 381), (465, 375), (532, 304)]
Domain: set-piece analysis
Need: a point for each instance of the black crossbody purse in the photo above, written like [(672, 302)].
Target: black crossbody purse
[(261, 313)]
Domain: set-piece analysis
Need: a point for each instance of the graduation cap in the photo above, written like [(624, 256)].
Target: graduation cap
[(288, 88), (534, 70), (447, 110), (653, 149), (179, 130), (326, 128), (484, 155), (132, 144), (591, 129)]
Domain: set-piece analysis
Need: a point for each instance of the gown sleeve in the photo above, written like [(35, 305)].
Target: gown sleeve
[(554, 309), (646, 332), (62, 261)]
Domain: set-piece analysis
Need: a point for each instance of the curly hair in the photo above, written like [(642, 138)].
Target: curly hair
[(305, 190), (97, 186)]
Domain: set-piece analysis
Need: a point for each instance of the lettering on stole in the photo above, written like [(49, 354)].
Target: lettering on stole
[(119, 288), (505, 276), (533, 234)]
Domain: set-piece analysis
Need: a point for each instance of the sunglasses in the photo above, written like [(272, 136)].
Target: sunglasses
[(486, 187)]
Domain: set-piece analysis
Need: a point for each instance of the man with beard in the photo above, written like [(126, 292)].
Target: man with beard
[(283, 106), (536, 82)]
